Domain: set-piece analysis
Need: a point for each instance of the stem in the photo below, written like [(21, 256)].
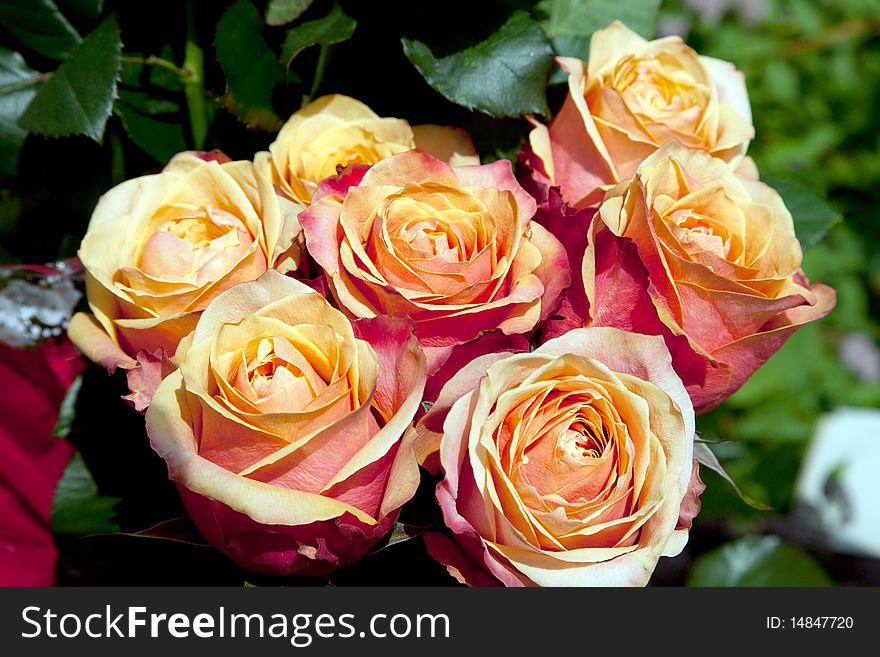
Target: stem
[(194, 83), (152, 60), (24, 84), (851, 29), (320, 67)]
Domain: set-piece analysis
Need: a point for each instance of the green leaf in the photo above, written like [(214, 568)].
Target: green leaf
[(39, 25), (580, 18), (78, 98), (252, 69), (161, 139), (147, 104), (503, 76), (571, 23), (18, 86), (707, 458), (176, 530), (77, 508), (161, 76), (333, 28), (813, 217), (67, 411), (757, 561), (282, 12)]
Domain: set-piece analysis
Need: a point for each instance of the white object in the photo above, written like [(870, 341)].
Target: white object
[(840, 479)]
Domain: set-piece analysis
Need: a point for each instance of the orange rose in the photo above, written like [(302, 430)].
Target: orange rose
[(451, 247), (627, 100), (707, 258)]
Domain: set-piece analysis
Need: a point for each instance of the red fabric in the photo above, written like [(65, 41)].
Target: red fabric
[(33, 384)]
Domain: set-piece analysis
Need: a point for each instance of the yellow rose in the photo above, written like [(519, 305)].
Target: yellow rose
[(626, 101), (159, 248), (337, 130)]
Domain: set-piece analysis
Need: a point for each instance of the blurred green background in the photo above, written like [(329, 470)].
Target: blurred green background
[(187, 80)]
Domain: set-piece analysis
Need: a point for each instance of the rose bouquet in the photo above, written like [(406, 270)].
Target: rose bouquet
[(364, 308)]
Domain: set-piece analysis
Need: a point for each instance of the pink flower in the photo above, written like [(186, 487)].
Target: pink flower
[(567, 466), (453, 248), (287, 429)]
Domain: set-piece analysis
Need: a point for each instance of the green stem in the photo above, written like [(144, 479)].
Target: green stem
[(24, 84), (194, 84), (152, 60), (320, 67)]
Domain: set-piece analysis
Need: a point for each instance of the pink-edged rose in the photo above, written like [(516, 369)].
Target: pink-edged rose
[(288, 429), (567, 466), (629, 98), (705, 257), (454, 248)]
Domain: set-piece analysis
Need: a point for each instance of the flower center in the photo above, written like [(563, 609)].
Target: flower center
[(658, 87), (698, 233), (433, 238)]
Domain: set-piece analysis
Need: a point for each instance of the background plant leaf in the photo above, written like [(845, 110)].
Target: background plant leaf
[(67, 410), (757, 561), (77, 508), (251, 68), (160, 138), (39, 25), (504, 75), (333, 28), (570, 23), (78, 98), (18, 86), (813, 217), (282, 12), (707, 458)]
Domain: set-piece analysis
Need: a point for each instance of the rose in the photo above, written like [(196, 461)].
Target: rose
[(32, 458), (451, 247), (627, 100), (287, 430), (706, 258), (567, 466), (159, 248), (337, 130)]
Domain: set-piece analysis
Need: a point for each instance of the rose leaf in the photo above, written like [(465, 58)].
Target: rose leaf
[(282, 12), (161, 139), (18, 86), (757, 561), (707, 458), (333, 28), (39, 25), (570, 23), (813, 217), (78, 98), (504, 75), (77, 507), (251, 68)]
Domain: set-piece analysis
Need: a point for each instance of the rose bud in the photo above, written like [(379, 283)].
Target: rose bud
[(567, 466), (337, 131), (706, 258), (159, 248), (629, 98), (287, 429), (453, 248)]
